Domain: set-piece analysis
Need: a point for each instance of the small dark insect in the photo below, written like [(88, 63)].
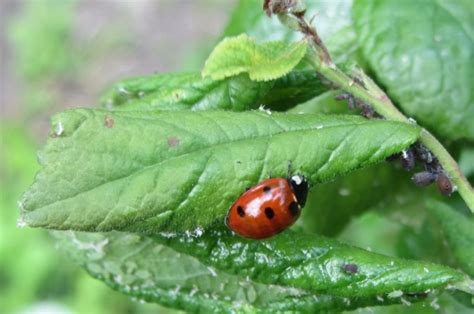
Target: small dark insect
[(418, 295), (422, 153), (444, 184), (423, 178), (346, 96), (407, 160), (393, 157), (350, 268)]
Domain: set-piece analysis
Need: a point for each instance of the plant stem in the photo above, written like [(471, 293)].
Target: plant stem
[(373, 95)]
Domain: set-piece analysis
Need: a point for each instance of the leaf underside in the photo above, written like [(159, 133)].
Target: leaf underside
[(145, 268)]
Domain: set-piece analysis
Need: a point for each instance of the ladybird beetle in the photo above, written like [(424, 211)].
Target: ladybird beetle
[(269, 207)]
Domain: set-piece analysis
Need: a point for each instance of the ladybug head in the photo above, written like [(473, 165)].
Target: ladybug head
[(300, 188)]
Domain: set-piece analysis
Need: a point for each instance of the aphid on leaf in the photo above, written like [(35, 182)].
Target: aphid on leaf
[(444, 184), (350, 268), (424, 178), (407, 160)]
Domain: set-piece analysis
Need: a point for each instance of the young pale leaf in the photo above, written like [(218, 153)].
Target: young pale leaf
[(429, 71), (263, 62), (333, 22), (315, 264), (191, 91), (458, 230), (143, 268), (154, 171)]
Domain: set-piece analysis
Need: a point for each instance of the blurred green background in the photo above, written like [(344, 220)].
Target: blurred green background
[(62, 53)]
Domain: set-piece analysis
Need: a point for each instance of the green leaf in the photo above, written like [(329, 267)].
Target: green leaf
[(191, 91), (263, 62), (333, 21), (458, 230), (150, 271), (292, 89), (175, 171), (429, 71), (313, 263)]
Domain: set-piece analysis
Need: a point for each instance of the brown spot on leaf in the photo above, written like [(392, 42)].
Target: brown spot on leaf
[(173, 141), (384, 98), (109, 122)]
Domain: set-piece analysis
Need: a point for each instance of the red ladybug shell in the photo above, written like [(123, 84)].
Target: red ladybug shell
[(268, 208)]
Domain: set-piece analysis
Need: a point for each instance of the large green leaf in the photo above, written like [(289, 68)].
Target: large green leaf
[(181, 276), (177, 91), (154, 171), (424, 60), (458, 230), (262, 62)]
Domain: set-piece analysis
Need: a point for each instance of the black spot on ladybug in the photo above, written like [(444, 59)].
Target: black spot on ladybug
[(350, 268), (266, 189), (293, 208), (240, 211), (269, 213), (444, 184)]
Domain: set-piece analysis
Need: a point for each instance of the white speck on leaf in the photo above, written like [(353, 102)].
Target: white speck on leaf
[(434, 304), (405, 302), (97, 247), (168, 234), (395, 294), (212, 271), (20, 223), (379, 298), (344, 192), (193, 291), (262, 108), (59, 129), (122, 90)]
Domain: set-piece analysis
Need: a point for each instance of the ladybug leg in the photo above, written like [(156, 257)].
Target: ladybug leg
[(290, 165)]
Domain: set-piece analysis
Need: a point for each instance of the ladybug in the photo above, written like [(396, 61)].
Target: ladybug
[(269, 207)]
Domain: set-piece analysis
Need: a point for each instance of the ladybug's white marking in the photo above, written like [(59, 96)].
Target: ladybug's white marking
[(297, 179)]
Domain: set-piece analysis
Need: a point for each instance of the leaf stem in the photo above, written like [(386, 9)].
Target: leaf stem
[(365, 89)]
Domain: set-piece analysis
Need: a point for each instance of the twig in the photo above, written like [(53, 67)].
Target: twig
[(367, 90)]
